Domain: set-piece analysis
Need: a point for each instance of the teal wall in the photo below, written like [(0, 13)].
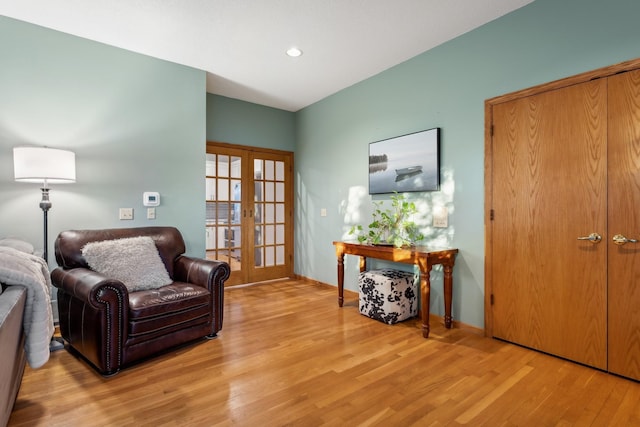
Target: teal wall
[(135, 123), (445, 87), (238, 122), (139, 124)]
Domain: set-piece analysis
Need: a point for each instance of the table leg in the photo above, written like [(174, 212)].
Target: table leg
[(448, 292), (340, 279), (425, 297)]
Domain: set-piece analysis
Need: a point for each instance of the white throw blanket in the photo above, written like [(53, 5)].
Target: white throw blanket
[(19, 268)]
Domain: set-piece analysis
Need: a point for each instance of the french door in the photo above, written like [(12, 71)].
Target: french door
[(249, 220)]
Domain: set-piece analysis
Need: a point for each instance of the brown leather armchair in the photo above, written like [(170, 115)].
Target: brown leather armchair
[(112, 327)]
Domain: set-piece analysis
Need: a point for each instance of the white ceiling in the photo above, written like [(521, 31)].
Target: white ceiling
[(241, 43)]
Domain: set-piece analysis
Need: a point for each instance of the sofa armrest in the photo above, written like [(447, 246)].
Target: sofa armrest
[(209, 274), (12, 355)]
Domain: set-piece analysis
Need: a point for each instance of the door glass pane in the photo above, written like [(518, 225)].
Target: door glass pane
[(280, 192), (280, 212), (279, 171), (269, 235), (223, 190), (236, 171), (257, 256), (224, 213), (280, 234), (211, 165), (258, 192), (269, 194), (211, 213), (269, 171), (280, 255), (236, 190), (210, 189), (269, 256), (210, 237), (257, 169), (223, 166), (258, 235), (269, 213), (236, 213), (257, 213), (236, 237)]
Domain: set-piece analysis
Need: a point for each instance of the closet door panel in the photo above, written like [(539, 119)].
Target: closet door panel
[(549, 189), (624, 219)]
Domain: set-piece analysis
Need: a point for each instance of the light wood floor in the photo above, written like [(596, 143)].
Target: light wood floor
[(287, 355)]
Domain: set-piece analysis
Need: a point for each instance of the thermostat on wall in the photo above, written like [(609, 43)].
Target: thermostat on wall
[(151, 198)]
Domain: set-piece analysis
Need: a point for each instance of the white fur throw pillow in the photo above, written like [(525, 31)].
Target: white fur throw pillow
[(134, 261)]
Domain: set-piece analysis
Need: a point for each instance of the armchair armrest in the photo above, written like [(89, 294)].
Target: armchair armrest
[(209, 274), (91, 287), (104, 304), (201, 272)]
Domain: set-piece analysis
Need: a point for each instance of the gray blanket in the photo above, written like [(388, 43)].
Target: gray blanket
[(32, 272)]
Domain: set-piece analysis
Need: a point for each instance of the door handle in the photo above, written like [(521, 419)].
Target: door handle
[(620, 240), (593, 238)]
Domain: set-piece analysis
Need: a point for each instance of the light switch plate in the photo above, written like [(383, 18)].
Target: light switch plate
[(126, 213), (440, 217)]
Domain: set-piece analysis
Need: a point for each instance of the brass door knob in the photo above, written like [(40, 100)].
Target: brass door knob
[(620, 240), (593, 238)]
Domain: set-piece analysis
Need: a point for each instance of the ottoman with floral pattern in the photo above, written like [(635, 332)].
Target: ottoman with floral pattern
[(388, 295)]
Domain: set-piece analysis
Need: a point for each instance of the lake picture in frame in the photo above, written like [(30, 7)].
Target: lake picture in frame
[(405, 163)]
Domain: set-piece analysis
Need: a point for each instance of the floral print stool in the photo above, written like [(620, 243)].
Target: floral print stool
[(388, 295)]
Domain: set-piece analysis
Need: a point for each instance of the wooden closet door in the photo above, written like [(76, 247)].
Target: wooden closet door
[(624, 219), (549, 289)]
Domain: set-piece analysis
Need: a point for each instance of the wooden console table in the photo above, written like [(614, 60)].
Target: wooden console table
[(422, 256)]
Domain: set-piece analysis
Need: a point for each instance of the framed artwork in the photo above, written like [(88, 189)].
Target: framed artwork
[(405, 163)]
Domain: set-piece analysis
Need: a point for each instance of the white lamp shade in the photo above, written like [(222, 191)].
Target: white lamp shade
[(44, 165)]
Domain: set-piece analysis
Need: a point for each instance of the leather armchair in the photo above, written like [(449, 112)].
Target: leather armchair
[(111, 327)]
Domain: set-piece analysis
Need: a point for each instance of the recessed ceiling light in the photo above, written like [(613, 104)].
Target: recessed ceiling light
[(294, 52)]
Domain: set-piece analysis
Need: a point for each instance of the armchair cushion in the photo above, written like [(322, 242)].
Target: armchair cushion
[(134, 261), (167, 309)]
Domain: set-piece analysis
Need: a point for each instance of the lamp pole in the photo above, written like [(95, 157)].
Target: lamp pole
[(45, 205)]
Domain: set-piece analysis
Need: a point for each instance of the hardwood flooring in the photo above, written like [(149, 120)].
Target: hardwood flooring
[(289, 356)]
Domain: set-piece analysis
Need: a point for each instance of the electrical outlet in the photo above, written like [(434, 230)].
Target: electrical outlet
[(151, 213), (126, 213), (440, 217), (323, 212)]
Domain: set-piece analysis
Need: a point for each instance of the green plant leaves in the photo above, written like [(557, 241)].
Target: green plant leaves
[(391, 225)]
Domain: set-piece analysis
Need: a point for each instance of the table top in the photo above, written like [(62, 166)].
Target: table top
[(402, 254), (390, 248)]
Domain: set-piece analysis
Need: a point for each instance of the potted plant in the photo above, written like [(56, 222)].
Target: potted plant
[(391, 226)]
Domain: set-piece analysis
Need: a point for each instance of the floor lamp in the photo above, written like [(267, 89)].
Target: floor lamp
[(44, 166)]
